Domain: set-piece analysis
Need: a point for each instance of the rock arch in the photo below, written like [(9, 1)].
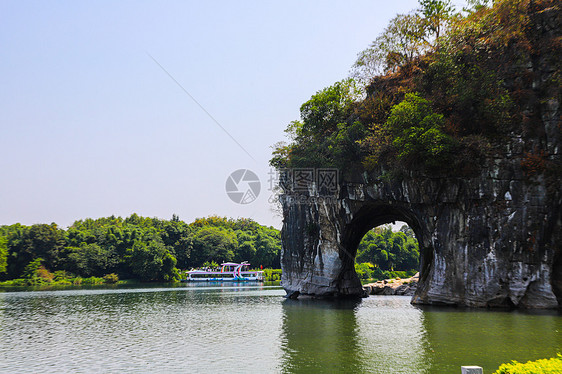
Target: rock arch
[(491, 240)]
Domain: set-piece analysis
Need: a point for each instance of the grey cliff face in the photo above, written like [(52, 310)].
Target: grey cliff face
[(491, 240)]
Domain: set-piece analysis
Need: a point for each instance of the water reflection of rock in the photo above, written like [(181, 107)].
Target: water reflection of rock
[(320, 336), (374, 335)]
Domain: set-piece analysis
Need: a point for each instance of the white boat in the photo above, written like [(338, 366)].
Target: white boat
[(229, 271)]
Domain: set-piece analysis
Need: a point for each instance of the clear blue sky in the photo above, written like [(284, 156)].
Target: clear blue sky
[(91, 126)]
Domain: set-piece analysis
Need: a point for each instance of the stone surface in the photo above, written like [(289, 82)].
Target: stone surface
[(471, 370), (477, 248), (490, 240), (401, 287)]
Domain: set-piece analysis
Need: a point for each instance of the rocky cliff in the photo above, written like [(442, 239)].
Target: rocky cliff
[(492, 239)]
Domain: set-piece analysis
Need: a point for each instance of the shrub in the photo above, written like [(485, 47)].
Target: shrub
[(400, 274), (379, 274), (272, 275), (14, 282), (544, 366), (92, 280), (364, 270), (60, 275), (30, 270), (44, 274)]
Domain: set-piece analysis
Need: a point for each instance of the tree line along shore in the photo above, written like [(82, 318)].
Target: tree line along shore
[(110, 249)]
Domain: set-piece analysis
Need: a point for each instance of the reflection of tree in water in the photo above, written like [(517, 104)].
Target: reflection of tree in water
[(380, 335), (320, 336), (391, 336)]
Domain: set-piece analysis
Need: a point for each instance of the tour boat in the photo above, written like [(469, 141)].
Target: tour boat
[(230, 271)]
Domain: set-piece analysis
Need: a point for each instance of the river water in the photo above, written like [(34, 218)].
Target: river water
[(245, 328)]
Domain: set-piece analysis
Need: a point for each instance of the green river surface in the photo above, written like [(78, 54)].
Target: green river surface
[(243, 328)]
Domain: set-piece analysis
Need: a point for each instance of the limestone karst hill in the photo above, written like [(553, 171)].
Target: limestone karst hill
[(463, 144)]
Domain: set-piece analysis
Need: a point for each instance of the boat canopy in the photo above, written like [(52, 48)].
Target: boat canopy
[(234, 264)]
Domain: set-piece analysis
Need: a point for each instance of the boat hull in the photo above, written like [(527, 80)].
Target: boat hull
[(222, 280)]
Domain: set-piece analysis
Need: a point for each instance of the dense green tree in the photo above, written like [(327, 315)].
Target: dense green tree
[(3, 254), (267, 250), (176, 236), (388, 250), (213, 244), (31, 268), (246, 247), (151, 261), (88, 260), (26, 243), (407, 230)]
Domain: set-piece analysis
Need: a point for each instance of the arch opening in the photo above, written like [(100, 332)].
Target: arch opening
[(376, 226), (387, 251)]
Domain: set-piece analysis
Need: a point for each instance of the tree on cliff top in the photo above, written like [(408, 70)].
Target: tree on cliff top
[(436, 16), (401, 42), (328, 131), (477, 85), (407, 37)]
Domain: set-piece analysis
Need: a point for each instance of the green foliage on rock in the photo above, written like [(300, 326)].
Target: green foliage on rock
[(436, 14), (444, 92), (327, 134), (544, 366), (406, 38), (418, 132)]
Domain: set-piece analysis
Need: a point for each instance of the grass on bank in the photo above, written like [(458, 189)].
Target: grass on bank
[(368, 272), (61, 280)]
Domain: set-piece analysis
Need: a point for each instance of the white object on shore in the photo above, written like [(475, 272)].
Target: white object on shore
[(471, 370)]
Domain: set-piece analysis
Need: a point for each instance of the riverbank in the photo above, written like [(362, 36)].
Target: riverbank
[(60, 278), (395, 286)]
